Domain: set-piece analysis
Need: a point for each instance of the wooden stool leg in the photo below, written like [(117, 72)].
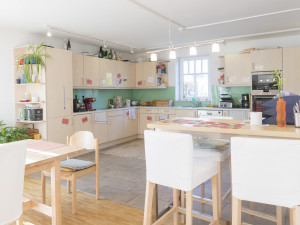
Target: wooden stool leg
[(189, 207), (97, 183), (236, 211), (20, 220), (43, 188), (296, 215), (148, 203), (175, 205), (291, 217), (215, 198), (229, 162), (182, 201), (220, 188), (279, 215), (68, 186), (73, 193), (202, 193), (251, 205)]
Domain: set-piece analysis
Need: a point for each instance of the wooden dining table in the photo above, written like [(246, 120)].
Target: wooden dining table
[(37, 161), (205, 127)]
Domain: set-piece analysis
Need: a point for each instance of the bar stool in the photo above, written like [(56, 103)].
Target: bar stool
[(265, 171), (170, 162)]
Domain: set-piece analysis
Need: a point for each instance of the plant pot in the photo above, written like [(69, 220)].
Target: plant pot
[(281, 113), (32, 61)]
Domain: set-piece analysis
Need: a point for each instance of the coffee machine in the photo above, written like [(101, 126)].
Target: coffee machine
[(88, 103), (245, 101)]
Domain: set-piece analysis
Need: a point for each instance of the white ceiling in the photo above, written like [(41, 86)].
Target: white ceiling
[(122, 21)]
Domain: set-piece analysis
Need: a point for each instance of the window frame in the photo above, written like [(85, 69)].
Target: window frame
[(181, 76)]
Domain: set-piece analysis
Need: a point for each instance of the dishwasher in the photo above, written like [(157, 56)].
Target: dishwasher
[(209, 113)]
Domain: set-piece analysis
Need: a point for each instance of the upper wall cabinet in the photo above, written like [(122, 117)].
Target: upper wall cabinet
[(77, 68), (122, 74), (132, 75), (266, 60), (291, 69), (107, 72), (146, 74), (238, 70), (91, 71)]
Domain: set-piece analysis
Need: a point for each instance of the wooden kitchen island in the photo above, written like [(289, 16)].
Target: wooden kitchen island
[(223, 128)]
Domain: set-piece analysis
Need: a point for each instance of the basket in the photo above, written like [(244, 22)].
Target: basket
[(31, 131), (162, 103)]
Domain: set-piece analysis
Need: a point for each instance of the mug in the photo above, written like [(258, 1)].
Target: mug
[(256, 118)]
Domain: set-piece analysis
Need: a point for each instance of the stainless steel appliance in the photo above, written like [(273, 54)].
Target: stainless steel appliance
[(205, 113), (226, 101), (245, 101)]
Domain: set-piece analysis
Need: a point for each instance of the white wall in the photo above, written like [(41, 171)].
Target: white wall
[(9, 39)]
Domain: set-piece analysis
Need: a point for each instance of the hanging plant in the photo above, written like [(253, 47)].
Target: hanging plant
[(36, 56)]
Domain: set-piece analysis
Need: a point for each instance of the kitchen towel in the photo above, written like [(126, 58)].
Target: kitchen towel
[(163, 116), (131, 115), (100, 117)]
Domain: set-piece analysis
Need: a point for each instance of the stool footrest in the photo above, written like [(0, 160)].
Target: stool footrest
[(202, 200), (259, 214), (198, 215), (165, 216)]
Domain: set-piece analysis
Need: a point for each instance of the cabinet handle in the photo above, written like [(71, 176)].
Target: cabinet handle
[(64, 91)]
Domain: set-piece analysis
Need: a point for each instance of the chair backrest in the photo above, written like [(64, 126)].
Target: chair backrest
[(218, 117), (12, 166), (169, 159), (266, 170), (83, 139)]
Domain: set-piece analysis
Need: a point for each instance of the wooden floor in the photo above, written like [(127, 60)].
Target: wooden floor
[(89, 210)]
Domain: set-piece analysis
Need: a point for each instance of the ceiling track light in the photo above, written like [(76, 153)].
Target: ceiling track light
[(153, 57), (49, 33), (131, 50), (172, 54), (215, 47), (193, 50)]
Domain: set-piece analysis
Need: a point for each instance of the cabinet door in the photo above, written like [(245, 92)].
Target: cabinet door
[(131, 76), (107, 72), (83, 123), (291, 69), (266, 60), (77, 69), (150, 74), (91, 71), (130, 125), (238, 114), (139, 69), (144, 119), (59, 83), (59, 128), (186, 113), (122, 73), (238, 69), (115, 128), (100, 131)]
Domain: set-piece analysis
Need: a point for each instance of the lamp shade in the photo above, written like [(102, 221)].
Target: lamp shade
[(153, 57), (215, 47), (172, 54), (193, 50)]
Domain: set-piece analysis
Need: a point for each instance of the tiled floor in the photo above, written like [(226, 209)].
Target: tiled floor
[(123, 177)]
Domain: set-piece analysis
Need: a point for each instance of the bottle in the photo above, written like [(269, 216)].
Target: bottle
[(69, 45), (114, 56), (110, 54), (100, 55), (66, 44), (105, 53)]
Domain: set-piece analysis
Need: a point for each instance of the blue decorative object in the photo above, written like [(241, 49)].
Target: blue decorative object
[(27, 61)]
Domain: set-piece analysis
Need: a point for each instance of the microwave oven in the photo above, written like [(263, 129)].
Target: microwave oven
[(263, 84)]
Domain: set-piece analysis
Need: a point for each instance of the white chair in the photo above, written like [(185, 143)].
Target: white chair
[(220, 155), (12, 167), (170, 162), (71, 169), (264, 171)]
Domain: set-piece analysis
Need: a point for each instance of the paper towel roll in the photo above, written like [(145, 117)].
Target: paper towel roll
[(256, 118)]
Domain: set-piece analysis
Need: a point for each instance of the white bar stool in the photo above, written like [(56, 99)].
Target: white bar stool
[(170, 162), (265, 171)]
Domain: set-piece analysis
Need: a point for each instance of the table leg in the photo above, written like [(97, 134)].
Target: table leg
[(56, 193)]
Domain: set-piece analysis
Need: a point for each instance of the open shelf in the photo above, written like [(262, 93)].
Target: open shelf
[(30, 84), (29, 121), (30, 103)]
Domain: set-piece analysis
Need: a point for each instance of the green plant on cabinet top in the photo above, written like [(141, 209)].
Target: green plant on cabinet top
[(11, 134)]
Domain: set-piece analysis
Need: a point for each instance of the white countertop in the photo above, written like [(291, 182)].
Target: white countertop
[(155, 107)]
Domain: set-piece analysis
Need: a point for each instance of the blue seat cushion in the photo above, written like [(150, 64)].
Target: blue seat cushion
[(75, 164)]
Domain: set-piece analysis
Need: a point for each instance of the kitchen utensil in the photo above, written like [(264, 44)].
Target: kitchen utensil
[(128, 102), (88, 103), (134, 103)]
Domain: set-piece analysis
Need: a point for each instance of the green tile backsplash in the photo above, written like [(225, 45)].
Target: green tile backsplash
[(146, 95)]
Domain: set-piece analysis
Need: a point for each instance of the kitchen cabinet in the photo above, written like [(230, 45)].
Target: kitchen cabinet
[(146, 74), (107, 72), (77, 70), (266, 60), (147, 116), (59, 128), (91, 71), (291, 69), (192, 113), (130, 125), (132, 75), (83, 122), (122, 74), (238, 70), (237, 114), (115, 125), (139, 73), (59, 83)]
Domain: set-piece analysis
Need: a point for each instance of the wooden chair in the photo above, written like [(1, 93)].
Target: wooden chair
[(71, 169), (170, 162), (12, 167), (265, 171)]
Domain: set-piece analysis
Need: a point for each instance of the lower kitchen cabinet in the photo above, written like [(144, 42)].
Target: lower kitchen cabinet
[(192, 113), (100, 132), (130, 125), (237, 114), (145, 119), (115, 125), (59, 128), (83, 122)]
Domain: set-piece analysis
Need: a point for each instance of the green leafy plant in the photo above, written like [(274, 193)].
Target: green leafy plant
[(35, 54), (11, 134), (279, 81)]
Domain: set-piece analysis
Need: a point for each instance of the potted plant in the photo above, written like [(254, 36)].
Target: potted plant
[(11, 134), (281, 104), (36, 56)]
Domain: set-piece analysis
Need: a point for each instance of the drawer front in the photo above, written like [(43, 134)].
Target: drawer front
[(147, 111), (166, 111), (115, 113)]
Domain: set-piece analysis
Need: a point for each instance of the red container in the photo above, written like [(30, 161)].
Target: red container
[(281, 113)]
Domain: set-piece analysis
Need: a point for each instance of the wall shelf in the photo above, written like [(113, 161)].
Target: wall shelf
[(29, 121), (42, 102)]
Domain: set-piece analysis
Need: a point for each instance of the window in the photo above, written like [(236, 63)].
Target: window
[(194, 79)]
